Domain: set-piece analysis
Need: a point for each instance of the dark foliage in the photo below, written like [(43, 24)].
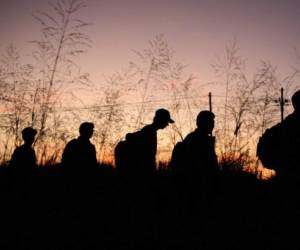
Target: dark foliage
[(102, 209)]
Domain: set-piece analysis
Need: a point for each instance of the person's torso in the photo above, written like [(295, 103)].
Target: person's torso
[(24, 157), (200, 150), (80, 153)]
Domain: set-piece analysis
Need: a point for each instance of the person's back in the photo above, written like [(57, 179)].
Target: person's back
[(288, 157), (146, 150), (23, 158), (177, 164), (141, 146), (200, 150), (23, 163), (128, 158), (197, 178), (80, 152), (279, 149), (199, 146), (147, 146), (279, 146)]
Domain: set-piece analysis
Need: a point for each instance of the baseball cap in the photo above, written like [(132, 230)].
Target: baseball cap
[(163, 114)]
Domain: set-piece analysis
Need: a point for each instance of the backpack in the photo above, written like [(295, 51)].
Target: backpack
[(178, 157), (120, 154), (268, 147), (125, 153)]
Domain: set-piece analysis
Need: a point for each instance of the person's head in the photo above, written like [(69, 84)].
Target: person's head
[(206, 121), (296, 101), (86, 130), (28, 135), (162, 118)]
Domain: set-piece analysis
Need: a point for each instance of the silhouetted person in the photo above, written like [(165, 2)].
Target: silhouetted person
[(200, 146), (197, 170), (148, 147), (279, 148), (23, 163), (139, 155), (23, 158), (135, 159), (281, 151), (80, 154)]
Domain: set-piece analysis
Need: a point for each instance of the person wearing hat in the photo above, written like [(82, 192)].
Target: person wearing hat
[(80, 152), (23, 157), (144, 143)]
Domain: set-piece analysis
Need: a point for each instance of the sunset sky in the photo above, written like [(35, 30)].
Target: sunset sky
[(197, 30)]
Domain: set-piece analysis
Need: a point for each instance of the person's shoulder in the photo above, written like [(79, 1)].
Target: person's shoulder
[(23, 148), (31, 150), (191, 136), (91, 145), (147, 128), (16, 151), (290, 121), (276, 128), (71, 145), (72, 142), (18, 148), (148, 132), (271, 136)]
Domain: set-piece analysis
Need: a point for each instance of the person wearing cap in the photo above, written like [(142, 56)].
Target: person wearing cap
[(23, 157), (145, 142), (80, 152)]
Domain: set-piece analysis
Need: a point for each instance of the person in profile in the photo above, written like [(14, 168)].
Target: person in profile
[(135, 159), (137, 154), (23, 163), (80, 153), (23, 158), (200, 146), (197, 170), (147, 151)]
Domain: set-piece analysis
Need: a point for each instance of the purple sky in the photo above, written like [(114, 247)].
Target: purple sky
[(197, 30)]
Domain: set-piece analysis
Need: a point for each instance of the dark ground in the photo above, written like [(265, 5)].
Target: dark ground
[(101, 210)]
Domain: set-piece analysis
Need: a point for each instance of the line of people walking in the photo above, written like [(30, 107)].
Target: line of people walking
[(187, 205), (195, 155), (136, 154)]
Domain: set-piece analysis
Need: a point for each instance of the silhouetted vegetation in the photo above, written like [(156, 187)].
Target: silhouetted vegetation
[(52, 206), (101, 210), (32, 93)]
